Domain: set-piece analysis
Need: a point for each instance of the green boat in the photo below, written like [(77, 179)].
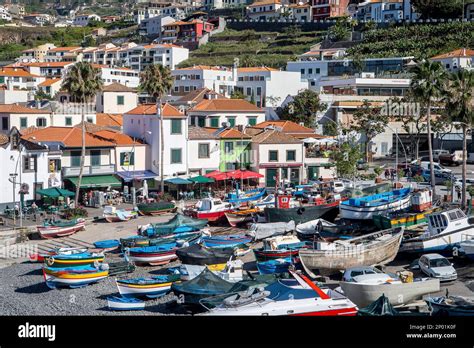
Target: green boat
[(156, 208), (387, 221), (178, 224)]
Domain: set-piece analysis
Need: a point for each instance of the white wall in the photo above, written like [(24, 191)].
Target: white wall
[(240, 118), (109, 104), (12, 96), (195, 163)]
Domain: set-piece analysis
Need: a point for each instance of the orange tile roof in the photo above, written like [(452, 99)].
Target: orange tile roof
[(42, 64), (118, 138), (205, 67), (460, 53), (290, 127), (221, 104), (19, 109), (275, 137), (64, 49), (69, 136), (256, 69), (49, 82), (265, 2), (117, 87), (16, 72), (232, 133), (109, 120), (169, 111)]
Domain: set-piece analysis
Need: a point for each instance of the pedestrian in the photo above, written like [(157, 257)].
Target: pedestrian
[(458, 191)]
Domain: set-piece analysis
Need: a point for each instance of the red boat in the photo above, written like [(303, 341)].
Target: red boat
[(212, 209)]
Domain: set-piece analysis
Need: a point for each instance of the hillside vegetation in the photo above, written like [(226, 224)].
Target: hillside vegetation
[(252, 48)]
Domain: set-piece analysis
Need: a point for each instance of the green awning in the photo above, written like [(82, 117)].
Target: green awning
[(178, 181), (55, 192), (201, 179), (97, 181)]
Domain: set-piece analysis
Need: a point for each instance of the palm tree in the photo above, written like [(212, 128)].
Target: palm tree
[(460, 108), (82, 82), (426, 86), (156, 80)]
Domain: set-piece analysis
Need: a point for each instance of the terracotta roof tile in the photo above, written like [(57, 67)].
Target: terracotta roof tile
[(169, 111), (459, 53), (275, 137), (16, 72), (109, 120), (234, 105), (69, 136), (4, 139), (117, 137), (117, 87), (64, 49), (198, 95), (49, 82), (42, 64), (19, 109), (232, 133), (199, 133), (256, 69), (205, 67)]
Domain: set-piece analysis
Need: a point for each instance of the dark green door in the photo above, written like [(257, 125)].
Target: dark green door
[(270, 177), (313, 173)]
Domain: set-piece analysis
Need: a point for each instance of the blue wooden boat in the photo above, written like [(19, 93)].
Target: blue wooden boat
[(74, 277), (116, 303), (364, 208), (178, 224), (227, 241), (275, 266), (245, 196), (108, 244), (74, 260), (150, 287)]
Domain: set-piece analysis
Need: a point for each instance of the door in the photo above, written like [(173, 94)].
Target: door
[(270, 177), (313, 173)]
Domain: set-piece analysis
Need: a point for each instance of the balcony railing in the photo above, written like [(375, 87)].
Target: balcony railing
[(89, 170)]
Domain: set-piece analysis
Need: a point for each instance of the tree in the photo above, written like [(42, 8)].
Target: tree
[(426, 85), (339, 31), (303, 108), (370, 121), (460, 106), (237, 94), (82, 82), (346, 159), (438, 8), (156, 80)]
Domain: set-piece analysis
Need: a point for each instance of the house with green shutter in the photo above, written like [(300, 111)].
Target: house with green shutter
[(223, 112), (235, 149)]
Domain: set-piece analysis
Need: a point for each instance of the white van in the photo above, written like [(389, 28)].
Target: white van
[(436, 166)]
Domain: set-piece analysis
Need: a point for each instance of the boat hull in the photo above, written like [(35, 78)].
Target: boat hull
[(352, 212), (264, 255), (401, 293), (154, 259), (406, 220), (146, 290), (115, 218), (121, 305), (73, 280), (62, 261), (47, 232), (210, 216), (236, 219), (302, 214)]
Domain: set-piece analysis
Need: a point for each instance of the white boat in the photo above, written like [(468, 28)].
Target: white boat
[(268, 201), (233, 271), (365, 289), (212, 209), (364, 208), (368, 250), (468, 248), (53, 229), (445, 232), (116, 303), (296, 297)]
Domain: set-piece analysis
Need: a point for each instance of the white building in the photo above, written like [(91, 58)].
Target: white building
[(50, 86), (4, 14), (220, 112), (64, 54), (154, 25), (169, 55), (177, 12), (203, 151), (385, 10), (18, 78), (13, 115), (300, 12), (123, 76), (218, 79), (36, 54), (39, 19), (84, 19), (116, 99), (462, 58), (265, 9), (16, 9), (142, 123), (219, 4)]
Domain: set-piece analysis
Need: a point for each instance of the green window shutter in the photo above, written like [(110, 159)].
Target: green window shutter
[(175, 155), (252, 121), (201, 121), (23, 122), (203, 151), (68, 121), (175, 126), (75, 158), (291, 155), (130, 161), (273, 156), (231, 121), (120, 100), (95, 158), (215, 122)]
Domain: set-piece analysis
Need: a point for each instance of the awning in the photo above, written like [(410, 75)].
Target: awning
[(137, 175), (245, 174), (201, 179), (55, 192), (178, 181), (97, 181), (328, 164)]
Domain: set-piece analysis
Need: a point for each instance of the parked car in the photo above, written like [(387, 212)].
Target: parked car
[(437, 266), (436, 166), (437, 153), (440, 177), (453, 159), (372, 274)]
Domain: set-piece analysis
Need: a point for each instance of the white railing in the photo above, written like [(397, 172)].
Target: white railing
[(89, 170)]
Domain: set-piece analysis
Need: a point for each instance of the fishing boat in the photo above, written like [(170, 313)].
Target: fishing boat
[(364, 208), (451, 305), (237, 217), (60, 228), (268, 201), (321, 209), (367, 288), (40, 257), (178, 224), (156, 208), (368, 250), (323, 228), (153, 255), (74, 259), (280, 247), (116, 303), (107, 245), (468, 248), (201, 255), (112, 214), (265, 230), (134, 241), (274, 266), (445, 231), (239, 197), (295, 297), (226, 241), (75, 277), (398, 219), (231, 271), (150, 287), (212, 209), (180, 238)]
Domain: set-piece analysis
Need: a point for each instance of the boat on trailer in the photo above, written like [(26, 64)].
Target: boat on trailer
[(60, 228), (364, 208)]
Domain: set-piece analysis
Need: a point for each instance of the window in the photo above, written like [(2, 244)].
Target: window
[(41, 122), (176, 156), (75, 158), (5, 123), (95, 158), (120, 100), (259, 90), (176, 127), (215, 122), (384, 148), (201, 121), (273, 156), (29, 163), (231, 120), (54, 165), (91, 120), (68, 121), (252, 121), (203, 151), (302, 71), (291, 155), (127, 159), (310, 71), (23, 122), (249, 91), (228, 147)]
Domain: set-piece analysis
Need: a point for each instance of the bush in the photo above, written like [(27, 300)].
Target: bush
[(73, 213)]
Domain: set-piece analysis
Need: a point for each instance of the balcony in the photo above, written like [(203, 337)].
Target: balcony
[(89, 170)]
